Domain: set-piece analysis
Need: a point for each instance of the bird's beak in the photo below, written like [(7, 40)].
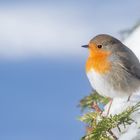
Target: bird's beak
[(85, 46)]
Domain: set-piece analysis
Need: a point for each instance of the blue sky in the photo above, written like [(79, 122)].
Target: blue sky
[(37, 103), (42, 64)]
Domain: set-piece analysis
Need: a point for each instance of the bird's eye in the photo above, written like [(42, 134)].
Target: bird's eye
[(99, 46)]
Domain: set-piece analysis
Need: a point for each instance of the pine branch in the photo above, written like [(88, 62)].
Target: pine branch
[(99, 127), (94, 97), (102, 128)]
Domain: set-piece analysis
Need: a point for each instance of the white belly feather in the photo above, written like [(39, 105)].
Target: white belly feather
[(100, 84)]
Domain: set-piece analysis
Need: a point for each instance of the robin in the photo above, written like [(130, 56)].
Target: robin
[(112, 68)]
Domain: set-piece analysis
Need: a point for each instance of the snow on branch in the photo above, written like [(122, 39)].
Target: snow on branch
[(110, 126)]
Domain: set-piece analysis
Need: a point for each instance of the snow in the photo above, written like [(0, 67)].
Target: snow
[(133, 41), (119, 105), (131, 132)]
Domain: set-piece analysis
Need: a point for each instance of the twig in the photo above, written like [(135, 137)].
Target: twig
[(96, 107), (112, 134)]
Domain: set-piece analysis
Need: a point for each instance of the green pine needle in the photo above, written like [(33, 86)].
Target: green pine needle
[(102, 128), (87, 101)]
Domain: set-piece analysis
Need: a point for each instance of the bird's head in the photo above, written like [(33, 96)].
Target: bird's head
[(101, 48)]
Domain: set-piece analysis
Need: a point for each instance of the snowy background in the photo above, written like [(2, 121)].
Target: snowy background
[(42, 75)]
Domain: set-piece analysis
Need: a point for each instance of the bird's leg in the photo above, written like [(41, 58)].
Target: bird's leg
[(111, 100), (128, 98)]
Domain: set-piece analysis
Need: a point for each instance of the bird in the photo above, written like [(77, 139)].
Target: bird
[(112, 68)]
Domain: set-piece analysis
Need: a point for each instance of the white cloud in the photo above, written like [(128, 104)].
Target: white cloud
[(26, 31), (52, 30)]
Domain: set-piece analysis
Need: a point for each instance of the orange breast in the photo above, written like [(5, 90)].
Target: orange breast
[(98, 60)]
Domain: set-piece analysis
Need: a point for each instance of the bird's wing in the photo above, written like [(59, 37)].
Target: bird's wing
[(130, 63), (133, 70)]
